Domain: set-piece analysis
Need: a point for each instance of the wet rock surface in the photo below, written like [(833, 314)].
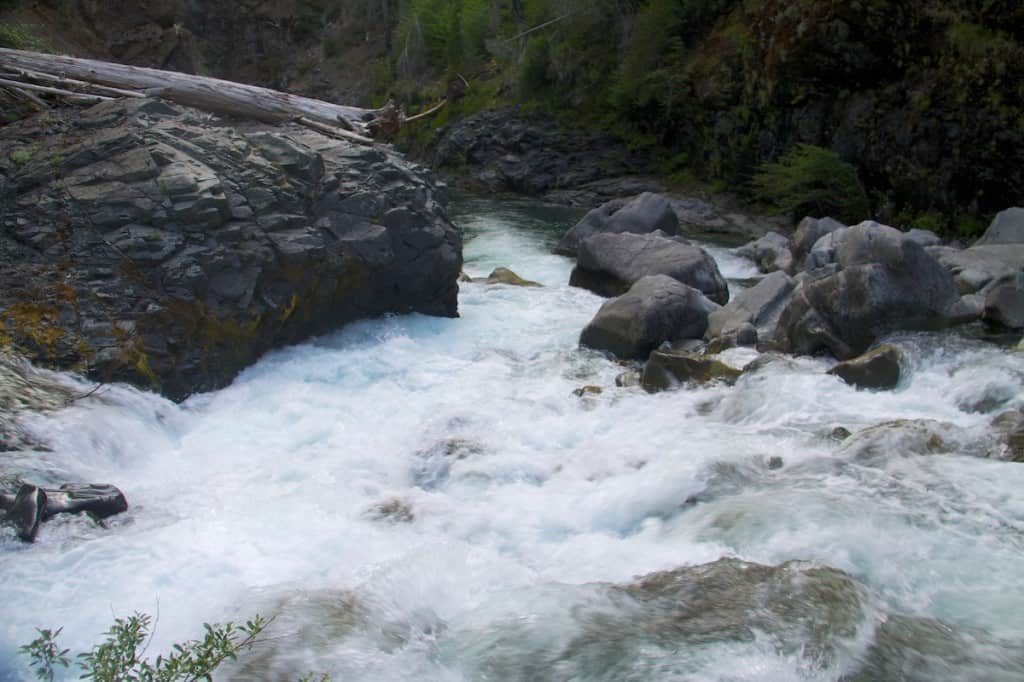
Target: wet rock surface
[(149, 243), (669, 369), (33, 505), (878, 368), (752, 315), (771, 253)]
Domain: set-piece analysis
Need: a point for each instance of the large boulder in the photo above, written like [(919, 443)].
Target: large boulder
[(1006, 228), (149, 243), (641, 215), (770, 253), (879, 281), (609, 264), (978, 268), (656, 309), (757, 309), (1004, 302)]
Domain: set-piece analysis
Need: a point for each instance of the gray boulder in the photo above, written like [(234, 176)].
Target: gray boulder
[(879, 282), (978, 268), (808, 232), (641, 215), (771, 253), (1004, 302), (1006, 228), (925, 238), (756, 308), (609, 264), (878, 368), (156, 245), (656, 309)]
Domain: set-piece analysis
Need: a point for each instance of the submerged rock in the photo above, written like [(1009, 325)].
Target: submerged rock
[(904, 437), (609, 264), (656, 309), (506, 276), (156, 245), (26, 388), (878, 368), (642, 215), (668, 369), (1009, 427)]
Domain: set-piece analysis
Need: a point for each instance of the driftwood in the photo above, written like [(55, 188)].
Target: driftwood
[(201, 92), (95, 81)]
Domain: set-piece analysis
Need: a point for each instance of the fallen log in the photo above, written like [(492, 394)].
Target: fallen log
[(49, 78), (201, 92), (84, 96)]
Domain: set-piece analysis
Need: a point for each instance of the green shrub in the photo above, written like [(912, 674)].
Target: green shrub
[(810, 180), (20, 37), (121, 655)]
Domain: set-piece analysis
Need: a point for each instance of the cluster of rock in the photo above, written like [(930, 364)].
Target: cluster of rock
[(830, 289), (153, 244)]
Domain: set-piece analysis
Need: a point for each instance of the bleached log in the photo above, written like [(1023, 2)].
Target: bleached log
[(53, 91), (101, 89), (202, 92)]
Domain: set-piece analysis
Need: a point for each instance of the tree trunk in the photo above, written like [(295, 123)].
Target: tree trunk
[(210, 94)]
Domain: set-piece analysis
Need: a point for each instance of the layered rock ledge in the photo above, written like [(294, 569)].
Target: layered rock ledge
[(153, 244)]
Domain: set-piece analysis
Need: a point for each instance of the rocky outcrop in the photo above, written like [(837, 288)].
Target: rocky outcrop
[(641, 215), (751, 317), (1004, 302), (879, 282), (656, 309), (771, 253), (609, 264), (878, 368), (668, 369), (149, 243), (507, 150)]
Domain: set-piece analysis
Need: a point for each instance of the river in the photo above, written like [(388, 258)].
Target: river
[(417, 498)]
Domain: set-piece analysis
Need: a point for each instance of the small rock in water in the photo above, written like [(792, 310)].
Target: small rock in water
[(588, 390), (775, 462), (628, 379), (27, 510), (666, 370), (1010, 427), (506, 276), (878, 368), (840, 433), (394, 510)]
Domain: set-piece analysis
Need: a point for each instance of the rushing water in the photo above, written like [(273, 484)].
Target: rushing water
[(426, 499)]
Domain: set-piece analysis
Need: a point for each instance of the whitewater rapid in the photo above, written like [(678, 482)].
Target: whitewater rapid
[(419, 498)]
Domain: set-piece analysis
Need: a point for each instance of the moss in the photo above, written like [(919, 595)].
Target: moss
[(36, 324), (21, 156)]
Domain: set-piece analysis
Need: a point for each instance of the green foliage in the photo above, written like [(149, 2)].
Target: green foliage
[(810, 180), (20, 37), (121, 656), (441, 34)]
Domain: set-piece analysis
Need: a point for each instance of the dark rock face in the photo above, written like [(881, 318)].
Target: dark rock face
[(880, 281), (757, 308), (642, 215), (655, 309), (771, 253), (509, 151), (609, 264), (148, 243), (665, 370), (878, 368)]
